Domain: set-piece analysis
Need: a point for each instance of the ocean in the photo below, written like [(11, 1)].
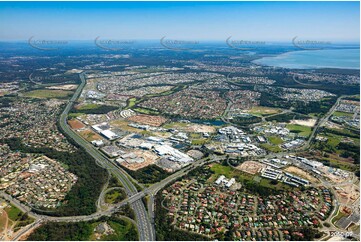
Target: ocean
[(314, 59)]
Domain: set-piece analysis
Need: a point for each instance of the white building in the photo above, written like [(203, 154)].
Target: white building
[(109, 134)]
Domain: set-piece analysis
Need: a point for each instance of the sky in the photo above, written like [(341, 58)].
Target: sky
[(259, 21)]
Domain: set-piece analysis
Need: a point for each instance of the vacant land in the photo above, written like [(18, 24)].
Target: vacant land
[(12, 219), (301, 130), (87, 106), (190, 127), (3, 221), (275, 140), (308, 122), (149, 159), (148, 119), (339, 114), (263, 111), (272, 148), (299, 172), (13, 213), (123, 125), (251, 167), (63, 87), (245, 178), (90, 135), (76, 124), (43, 94)]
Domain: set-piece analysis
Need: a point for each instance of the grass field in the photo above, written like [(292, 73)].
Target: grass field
[(275, 140), (195, 135), (338, 217), (279, 186), (87, 106), (174, 125), (123, 124), (227, 171), (242, 177), (17, 218), (74, 115), (272, 148), (43, 94), (13, 213), (301, 130), (115, 196), (146, 111), (263, 111), (90, 135), (199, 141), (131, 102), (338, 114)]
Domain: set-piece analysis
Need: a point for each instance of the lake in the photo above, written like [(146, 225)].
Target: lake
[(313, 59)]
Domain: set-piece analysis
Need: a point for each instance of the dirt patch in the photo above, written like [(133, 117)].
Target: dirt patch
[(123, 125), (301, 173), (3, 221), (332, 125), (63, 87), (309, 122), (90, 135), (251, 167), (76, 124), (347, 194), (147, 156), (198, 128), (148, 119)]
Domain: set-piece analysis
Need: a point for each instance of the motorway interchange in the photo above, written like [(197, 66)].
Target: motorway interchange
[(144, 219)]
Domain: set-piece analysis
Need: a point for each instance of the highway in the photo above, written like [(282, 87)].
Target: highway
[(323, 120), (145, 228)]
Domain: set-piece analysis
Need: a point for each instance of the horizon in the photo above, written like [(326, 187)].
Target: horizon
[(203, 41)]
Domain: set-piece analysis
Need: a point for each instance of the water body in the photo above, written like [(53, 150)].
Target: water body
[(313, 59)]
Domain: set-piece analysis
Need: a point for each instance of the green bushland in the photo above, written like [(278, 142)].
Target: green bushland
[(246, 120), (93, 109), (115, 196), (286, 117), (148, 175), (114, 182), (83, 231), (46, 93), (127, 211), (320, 107)]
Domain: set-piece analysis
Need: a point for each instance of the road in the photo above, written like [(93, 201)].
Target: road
[(323, 120), (145, 228)]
